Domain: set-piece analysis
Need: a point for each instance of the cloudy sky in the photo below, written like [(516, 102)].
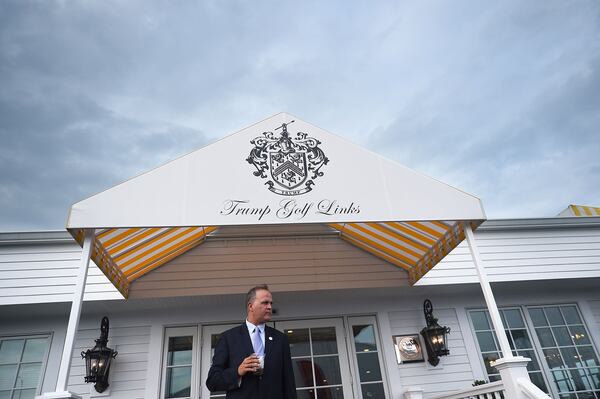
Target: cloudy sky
[(500, 99)]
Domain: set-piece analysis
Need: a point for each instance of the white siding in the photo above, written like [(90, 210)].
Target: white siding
[(454, 371), (41, 271), (524, 250), (128, 372), (41, 267)]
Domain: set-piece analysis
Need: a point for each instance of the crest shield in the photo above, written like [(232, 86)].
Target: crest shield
[(288, 170)]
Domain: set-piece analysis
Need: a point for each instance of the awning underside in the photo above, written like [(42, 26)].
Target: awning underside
[(126, 254)]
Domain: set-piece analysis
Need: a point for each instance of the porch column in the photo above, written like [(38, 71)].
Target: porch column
[(513, 369), (65, 363)]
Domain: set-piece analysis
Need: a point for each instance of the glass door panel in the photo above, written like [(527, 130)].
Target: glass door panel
[(210, 337), (180, 363), (319, 358)]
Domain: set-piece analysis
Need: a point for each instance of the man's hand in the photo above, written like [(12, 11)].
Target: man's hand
[(249, 365)]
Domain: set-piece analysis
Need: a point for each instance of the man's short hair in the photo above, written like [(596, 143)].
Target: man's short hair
[(251, 295)]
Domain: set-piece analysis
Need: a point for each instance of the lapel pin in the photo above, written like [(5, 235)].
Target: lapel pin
[(270, 338)]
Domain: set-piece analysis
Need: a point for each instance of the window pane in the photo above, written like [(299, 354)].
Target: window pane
[(521, 339), (34, 350), (553, 358), (178, 382), (303, 372), (364, 338), (554, 316), (368, 367), (562, 381), (562, 335), (571, 315), (487, 359), (323, 340), (373, 391), (299, 342), (538, 380), (579, 335), (180, 350), (10, 350), (594, 376), (480, 321), (7, 376), (581, 382), (305, 394), (29, 374), (537, 317), (24, 394), (588, 357), (533, 364), (513, 318), (545, 337), (330, 393), (486, 341), (570, 357), (327, 370), (510, 341), (4, 394)]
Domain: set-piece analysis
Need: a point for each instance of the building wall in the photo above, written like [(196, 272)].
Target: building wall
[(42, 268), (131, 339), (137, 328), (524, 250)]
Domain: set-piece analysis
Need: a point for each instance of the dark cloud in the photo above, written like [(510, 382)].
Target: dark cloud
[(58, 148), (499, 99)]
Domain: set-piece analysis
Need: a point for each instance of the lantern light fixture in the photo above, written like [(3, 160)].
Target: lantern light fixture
[(434, 335), (98, 359)]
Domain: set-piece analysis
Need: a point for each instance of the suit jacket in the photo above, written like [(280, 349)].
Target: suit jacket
[(277, 381)]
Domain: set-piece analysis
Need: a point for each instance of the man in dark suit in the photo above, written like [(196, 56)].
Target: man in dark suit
[(242, 351)]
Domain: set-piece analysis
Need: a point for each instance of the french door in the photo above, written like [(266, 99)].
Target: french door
[(210, 336), (319, 358)]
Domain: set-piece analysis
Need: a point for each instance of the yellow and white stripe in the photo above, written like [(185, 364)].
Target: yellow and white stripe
[(413, 246), (583, 210), (125, 254)]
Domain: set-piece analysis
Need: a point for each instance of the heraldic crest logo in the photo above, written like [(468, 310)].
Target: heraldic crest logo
[(293, 163)]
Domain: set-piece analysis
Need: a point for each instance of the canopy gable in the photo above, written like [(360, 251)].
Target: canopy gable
[(279, 171)]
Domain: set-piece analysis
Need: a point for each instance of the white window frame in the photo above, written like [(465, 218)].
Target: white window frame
[(537, 348), (48, 336), (338, 324), (180, 332), (364, 320)]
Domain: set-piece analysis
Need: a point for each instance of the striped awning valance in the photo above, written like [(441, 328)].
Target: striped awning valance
[(413, 246), (126, 254)]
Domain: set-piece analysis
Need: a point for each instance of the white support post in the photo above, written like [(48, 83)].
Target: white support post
[(488, 295), (512, 369), (65, 363)]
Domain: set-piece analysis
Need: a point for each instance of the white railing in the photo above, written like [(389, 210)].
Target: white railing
[(530, 391), (493, 390)]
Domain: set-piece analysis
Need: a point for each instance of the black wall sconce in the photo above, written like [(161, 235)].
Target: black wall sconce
[(434, 336), (97, 359)]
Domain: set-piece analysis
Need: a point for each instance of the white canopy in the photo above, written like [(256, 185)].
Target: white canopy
[(279, 171), (215, 186)]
